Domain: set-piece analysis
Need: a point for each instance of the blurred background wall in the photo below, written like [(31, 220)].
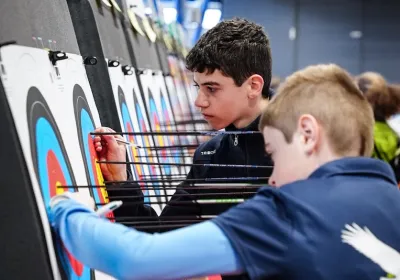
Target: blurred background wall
[(360, 35)]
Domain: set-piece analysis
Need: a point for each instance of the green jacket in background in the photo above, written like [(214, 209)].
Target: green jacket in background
[(386, 142)]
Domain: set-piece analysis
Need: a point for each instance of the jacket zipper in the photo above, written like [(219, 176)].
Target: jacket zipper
[(246, 156), (236, 141)]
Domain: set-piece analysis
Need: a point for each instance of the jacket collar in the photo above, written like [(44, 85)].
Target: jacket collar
[(359, 166), (253, 126)]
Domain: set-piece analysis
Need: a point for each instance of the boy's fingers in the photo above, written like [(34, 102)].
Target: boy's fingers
[(111, 143), (119, 137)]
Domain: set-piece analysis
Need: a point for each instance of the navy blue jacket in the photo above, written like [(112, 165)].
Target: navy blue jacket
[(238, 149), (294, 232)]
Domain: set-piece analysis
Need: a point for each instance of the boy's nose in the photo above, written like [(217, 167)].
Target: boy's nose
[(201, 101)]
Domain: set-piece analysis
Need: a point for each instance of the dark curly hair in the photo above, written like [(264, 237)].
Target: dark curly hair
[(238, 48)]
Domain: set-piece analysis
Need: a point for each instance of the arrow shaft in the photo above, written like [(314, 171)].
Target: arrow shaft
[(230, 194), (198, 201), (205, 133), (184, 122), (185, 187), (183, 176), (164, 156), (187, 164), (164, 218), (209, 180)]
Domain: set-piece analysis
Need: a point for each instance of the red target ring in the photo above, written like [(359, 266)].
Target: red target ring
[(55, 174)]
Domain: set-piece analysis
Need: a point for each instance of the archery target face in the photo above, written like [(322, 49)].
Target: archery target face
[(132, 117), (147, 139), (42, 107), (152, 95), (182, 99), (52, 166), (85, 124), (186, 84), (178, 111), (84, 118), (161, 101), (180, 87)]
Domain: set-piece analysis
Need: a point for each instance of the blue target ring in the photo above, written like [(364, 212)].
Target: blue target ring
[(167, 120), (127, 121), (145, 141), (159, 139)]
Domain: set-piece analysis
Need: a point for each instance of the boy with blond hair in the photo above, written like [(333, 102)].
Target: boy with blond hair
[(318, 130)]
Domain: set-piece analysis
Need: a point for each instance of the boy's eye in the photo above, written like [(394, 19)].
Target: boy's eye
[(196, 86), (210, 89)]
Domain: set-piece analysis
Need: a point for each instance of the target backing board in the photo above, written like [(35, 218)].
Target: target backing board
[(44, 105), (133, 118)]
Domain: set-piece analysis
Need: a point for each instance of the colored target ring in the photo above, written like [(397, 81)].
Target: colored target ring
[(172, 139), (175, 100), (128, 126), (53, 169), (145, 138), (155, 119), (85, 125)]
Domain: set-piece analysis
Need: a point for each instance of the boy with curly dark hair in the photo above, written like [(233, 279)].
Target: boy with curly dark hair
[(231, 64)]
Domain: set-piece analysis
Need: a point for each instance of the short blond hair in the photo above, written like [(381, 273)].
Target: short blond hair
[(384, 99), (328, 93)]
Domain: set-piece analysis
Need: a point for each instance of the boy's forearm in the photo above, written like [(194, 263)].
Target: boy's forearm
[(125, 253)]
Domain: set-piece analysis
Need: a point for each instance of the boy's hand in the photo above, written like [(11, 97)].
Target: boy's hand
[(81, 198), (108, 149)]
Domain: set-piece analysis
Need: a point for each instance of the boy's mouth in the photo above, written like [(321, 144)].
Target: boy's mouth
[(207, 116)]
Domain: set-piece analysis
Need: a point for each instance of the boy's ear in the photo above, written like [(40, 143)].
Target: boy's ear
[(309, 130), (256, 83)]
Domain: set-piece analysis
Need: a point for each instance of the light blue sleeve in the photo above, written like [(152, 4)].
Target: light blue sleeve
[(124, 253)]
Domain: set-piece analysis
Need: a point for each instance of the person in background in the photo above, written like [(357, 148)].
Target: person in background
[(275, 82), (385, 102)]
